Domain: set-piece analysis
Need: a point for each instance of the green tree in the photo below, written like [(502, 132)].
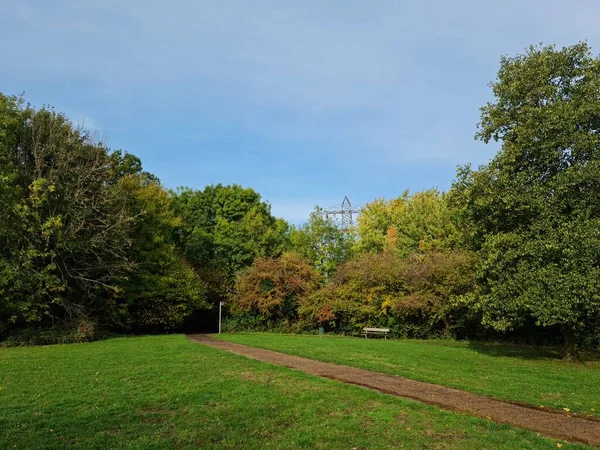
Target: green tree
[(66, 229), (417, 222), (163, 289), (124, 163), (224, 229), (320, 241), (534, 208)]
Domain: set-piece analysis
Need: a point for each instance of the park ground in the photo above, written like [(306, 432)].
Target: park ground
[(532, 375), (160, 392)]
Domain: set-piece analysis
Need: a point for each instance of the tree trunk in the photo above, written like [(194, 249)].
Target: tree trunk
[(570, 352)]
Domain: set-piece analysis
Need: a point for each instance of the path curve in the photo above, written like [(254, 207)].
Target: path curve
[(550, 423)]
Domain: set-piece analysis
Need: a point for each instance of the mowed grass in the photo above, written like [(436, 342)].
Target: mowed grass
[(165, 392), (530, 375)]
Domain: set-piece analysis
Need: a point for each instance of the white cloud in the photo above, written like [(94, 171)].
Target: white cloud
[(83, 121)]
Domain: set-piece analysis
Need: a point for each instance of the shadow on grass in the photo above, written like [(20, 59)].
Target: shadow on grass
[(529, 352)]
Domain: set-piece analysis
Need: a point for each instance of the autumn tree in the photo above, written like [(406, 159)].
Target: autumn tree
[(534, 207), (417, 222), (417, 296), (273, 288)]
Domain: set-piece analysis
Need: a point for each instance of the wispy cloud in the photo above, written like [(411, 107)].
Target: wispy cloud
[(84, 121)]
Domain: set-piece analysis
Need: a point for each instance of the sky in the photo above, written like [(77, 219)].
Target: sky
[(304, 101)]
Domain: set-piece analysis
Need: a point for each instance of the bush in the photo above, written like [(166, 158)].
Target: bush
[(67, 333), (268, 293), (424, 295), (356, 295)]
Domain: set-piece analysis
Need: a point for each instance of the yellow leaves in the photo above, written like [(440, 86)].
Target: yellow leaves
[(39, 190), (567, 409), (405, 224), (52, 223), (559, 445), (387, 304)]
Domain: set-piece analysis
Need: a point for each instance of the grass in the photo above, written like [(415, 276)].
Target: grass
[(517, 373), (165, 392)]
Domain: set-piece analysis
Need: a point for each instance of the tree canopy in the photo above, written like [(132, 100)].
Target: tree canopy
[(88, 237), (535, 206), (322, 242), (410, 223), (85, 233), (66, 227)]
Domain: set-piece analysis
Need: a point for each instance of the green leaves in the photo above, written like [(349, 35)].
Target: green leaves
[(163, 288), (320, 241), (534, 209), (84, 232), (224, 229), (65, 228), (411, 223)]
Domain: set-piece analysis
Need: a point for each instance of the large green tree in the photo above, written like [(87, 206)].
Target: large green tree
[(65, 228), (534, 208), (322, 242), (224, 229), (163, 289)]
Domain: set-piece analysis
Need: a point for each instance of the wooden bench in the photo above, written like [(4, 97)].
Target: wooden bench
[(383, 331)]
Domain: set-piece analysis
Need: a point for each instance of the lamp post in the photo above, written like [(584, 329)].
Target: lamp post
[(220, 306)]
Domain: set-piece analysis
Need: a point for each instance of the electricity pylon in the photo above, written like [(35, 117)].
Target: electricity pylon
[(345, 211)]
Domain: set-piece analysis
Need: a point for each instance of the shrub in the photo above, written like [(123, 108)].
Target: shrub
[(82, 330), (271, 290), (355, 295), (421, 296)]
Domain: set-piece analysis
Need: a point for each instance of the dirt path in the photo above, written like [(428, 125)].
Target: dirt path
[(550, 423)]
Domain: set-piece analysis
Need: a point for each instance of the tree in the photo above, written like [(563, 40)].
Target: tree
[(418, 296), (273, 288), (354, 296), (322, 242), (124, 163), (224, 229), (534, 208), (65, 229), (411, 223), (163, 289)]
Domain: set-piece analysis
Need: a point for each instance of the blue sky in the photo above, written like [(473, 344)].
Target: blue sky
[(303, 101)]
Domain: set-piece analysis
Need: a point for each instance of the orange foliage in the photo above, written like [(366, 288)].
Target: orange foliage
[(274, 287)]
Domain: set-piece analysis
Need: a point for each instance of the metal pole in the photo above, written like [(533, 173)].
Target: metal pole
[(220, 305)]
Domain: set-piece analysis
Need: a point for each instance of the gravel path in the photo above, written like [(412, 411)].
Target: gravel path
[(550, 423)]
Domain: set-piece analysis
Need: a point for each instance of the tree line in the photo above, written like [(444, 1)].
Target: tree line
[(89, 241), (512, 250)]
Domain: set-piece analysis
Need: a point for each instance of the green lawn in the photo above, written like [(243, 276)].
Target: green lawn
[(523, 374), (166, 392)]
